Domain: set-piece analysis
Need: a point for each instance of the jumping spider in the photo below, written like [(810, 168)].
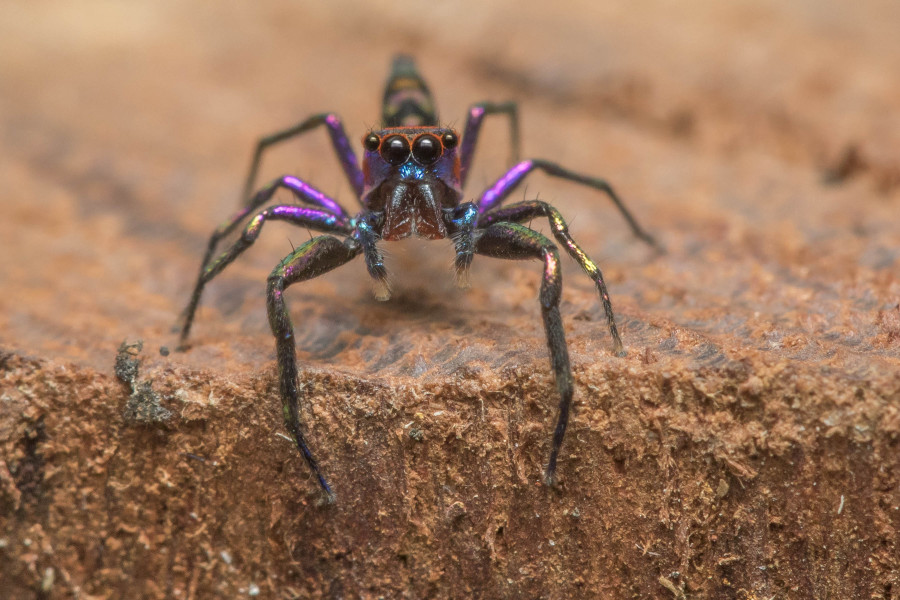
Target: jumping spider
[(411, 180)]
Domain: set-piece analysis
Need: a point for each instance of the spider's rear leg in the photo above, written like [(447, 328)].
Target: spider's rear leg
[(495, 195), (514, 241), (476, 115), (317, 256), (297, 215), (339, 142), (525, 211)]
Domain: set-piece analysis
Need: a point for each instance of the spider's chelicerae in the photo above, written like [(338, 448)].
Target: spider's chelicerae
[(411, 181)]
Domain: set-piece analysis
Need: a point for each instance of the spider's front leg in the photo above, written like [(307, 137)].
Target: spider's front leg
[(339, 142), (297, 215), (315, 257), (476, 115), (514, 241), (526, 211)]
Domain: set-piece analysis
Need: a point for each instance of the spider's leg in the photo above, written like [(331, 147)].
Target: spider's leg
[(476, 114), (514, 241), (317, 256), (525, 211), (303, 191), (461, 222), (500, 191), (297, 215), (339, 141)]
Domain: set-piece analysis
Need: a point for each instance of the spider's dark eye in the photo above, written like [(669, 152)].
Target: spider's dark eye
[(395, 150), (371, 142), (427, 149), (450, 140)]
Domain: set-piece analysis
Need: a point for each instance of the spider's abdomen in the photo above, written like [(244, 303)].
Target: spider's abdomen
[(407, 99)]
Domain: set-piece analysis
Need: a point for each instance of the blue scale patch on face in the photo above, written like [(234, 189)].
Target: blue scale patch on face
[(410, 170)]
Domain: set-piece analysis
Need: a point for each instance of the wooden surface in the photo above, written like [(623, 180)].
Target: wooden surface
[(747, 446)]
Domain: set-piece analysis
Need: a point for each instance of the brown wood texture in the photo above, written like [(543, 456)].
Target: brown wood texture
[(747, 447)]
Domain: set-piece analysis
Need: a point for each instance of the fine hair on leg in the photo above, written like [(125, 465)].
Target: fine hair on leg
[(514, 241)]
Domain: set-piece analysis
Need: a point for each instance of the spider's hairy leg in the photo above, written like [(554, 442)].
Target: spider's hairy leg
[(514, 241), (475, 116), (526, 211), (339, 142), (300, 189), (495, 195), (317, 256), (296, 215)]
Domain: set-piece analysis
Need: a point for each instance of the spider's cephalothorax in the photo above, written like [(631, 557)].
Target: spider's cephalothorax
[(410, 184), (411, 174)]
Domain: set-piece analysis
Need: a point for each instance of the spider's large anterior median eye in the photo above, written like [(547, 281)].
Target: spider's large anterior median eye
[(371, 142), (427, 149), (395, 150)]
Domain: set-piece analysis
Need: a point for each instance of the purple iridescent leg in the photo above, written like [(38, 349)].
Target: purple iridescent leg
[(514, 241), (315, 257), (302, 191), (297, 215), (526, 211), (339, 141), (473, 125), (500, 191)]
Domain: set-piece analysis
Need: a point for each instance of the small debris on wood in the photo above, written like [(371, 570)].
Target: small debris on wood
[(850, 163), (143, 405)]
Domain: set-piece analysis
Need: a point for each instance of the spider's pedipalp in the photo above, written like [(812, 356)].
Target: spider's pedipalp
[(368, 235), (461, 222)]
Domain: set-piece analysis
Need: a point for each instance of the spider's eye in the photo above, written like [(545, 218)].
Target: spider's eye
[(371, 142), (450, 140), (395, 150), (427, 149)]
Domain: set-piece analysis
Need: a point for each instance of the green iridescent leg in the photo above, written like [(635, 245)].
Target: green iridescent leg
[(526, 211), (315, 257), (296, 215), (513, 241)]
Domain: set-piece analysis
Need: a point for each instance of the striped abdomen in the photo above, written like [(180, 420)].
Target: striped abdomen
[(407, 100)]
